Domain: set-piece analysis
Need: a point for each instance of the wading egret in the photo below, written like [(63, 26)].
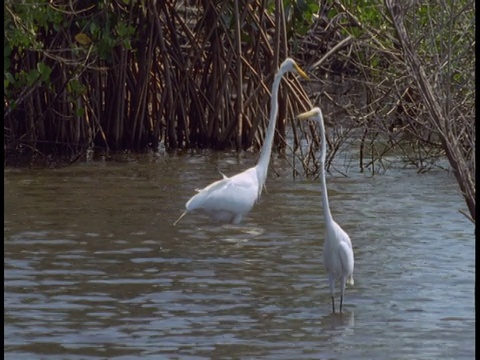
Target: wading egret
[(337, 248), (228, 200)]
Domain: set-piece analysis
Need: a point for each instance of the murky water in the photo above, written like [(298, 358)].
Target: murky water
[(94, 268)]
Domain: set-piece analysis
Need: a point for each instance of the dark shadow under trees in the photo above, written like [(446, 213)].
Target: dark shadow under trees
[(113, 76)]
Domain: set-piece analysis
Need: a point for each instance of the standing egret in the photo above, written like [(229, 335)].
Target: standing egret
[(337, 250), (228, 200)]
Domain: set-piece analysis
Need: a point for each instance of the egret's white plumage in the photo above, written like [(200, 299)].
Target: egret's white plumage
[(337, 251), (228, 200)]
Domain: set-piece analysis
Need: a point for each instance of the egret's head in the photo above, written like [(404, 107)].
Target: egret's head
[(314, 114), (290, 65)]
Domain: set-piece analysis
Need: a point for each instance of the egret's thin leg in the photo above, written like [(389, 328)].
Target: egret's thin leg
[(342, 285), (332, 284), (237, 219)]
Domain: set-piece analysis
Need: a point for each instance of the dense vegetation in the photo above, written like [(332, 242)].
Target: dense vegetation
[(125, 75), (106, 76)]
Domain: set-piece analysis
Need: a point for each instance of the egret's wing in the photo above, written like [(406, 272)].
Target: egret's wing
[(213, 186), (236, 194), (346, 257)]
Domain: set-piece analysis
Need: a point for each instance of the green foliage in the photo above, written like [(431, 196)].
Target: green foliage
[(124, 34), (445, 34), (108, 29), (26, 24), (300, 15), (79, 61), (75, 89), (44, 72), (31, 25)]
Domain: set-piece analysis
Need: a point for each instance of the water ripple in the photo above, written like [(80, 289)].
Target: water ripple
[(103, 273)]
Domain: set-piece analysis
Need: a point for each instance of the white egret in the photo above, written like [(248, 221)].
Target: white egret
[(337, 250), (228, 200)]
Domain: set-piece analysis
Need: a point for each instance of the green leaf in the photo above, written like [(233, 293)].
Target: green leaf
[(80, 111), (32, 76), (9, 77)]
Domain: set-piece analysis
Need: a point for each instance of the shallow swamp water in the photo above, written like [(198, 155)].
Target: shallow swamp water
[(94, 268)]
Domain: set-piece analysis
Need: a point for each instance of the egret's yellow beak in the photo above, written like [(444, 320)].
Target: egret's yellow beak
[(301, 72), (306, 115)]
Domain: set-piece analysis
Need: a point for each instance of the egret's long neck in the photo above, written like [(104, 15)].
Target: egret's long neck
[(326, 206), (262, 166)]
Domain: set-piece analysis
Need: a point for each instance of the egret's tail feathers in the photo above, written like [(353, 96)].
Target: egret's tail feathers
[(350, 280), (180, 218), (223, 175)]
